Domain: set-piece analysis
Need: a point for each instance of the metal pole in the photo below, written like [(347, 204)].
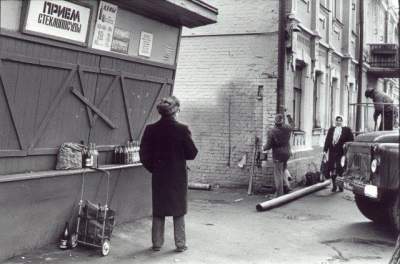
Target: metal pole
[(360, 66), (280, 106)]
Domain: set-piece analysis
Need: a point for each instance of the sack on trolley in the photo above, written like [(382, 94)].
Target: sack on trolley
[(95, 225)]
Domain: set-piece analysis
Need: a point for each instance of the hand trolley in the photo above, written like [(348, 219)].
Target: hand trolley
[(95, 222)]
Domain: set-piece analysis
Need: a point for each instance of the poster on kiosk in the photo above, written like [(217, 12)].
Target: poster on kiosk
[(105, 23)]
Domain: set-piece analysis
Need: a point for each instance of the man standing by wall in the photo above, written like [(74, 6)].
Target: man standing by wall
[(278, 140), (165, 147)]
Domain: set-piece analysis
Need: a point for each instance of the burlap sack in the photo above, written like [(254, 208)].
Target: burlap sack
[(69, 156)]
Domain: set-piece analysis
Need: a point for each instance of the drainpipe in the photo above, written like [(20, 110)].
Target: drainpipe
[(360, 67), (280, 105)]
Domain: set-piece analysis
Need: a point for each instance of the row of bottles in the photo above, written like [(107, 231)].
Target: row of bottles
[(90, 156), (128, 154)]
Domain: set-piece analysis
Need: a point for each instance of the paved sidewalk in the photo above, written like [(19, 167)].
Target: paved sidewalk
[(224, 227)]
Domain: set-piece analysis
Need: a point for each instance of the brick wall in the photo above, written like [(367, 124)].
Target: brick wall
[(218, 78), (241, 16)]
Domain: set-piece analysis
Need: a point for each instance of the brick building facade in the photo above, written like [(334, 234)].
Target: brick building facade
[(227, 81)]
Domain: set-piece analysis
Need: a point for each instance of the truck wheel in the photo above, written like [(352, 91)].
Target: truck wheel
[(393, 210), (371, 209)]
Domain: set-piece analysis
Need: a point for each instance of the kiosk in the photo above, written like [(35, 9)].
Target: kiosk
[(83, 71)]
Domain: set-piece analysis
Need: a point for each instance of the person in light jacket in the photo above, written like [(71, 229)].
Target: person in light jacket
[(165, 147), (335, 139)]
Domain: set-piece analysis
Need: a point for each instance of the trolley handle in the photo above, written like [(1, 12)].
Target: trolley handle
[(108, 183)]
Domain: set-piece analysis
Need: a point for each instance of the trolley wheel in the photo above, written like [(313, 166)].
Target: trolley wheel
[(105, 247)]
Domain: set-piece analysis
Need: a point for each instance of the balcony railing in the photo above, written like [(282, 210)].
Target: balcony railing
[(366, 111), (298, 140), (383, 55)]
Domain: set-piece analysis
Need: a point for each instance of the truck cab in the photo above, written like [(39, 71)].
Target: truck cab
[(371, 172)]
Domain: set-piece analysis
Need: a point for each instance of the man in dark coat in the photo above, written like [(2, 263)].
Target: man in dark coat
[(278, 140), (384, 107), (164, 149), (333, 149)]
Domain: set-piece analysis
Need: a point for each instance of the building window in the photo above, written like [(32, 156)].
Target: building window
[(324, 3), (337, 9), (297, 95), (354, 16), (322, 22), (351, 101), (316, 101), (334, 104)]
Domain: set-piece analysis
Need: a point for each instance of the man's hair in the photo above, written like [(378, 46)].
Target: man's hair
[(339, 117), (369, 93), (168, 106), (279, 119)]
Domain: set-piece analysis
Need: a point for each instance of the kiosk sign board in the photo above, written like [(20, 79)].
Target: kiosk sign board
[(58, 19)]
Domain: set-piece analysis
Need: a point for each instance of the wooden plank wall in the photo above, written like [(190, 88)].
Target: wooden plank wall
[(50, 94)]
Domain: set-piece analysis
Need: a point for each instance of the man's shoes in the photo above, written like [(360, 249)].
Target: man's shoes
[(334, 188), (155, 248), (181, 249), (286, 189)]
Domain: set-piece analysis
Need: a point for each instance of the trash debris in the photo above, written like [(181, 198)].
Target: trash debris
[(348, 197), (238, 200), (242, 161)]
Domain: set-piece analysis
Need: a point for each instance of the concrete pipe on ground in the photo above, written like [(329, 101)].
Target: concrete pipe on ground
[(291, 196)]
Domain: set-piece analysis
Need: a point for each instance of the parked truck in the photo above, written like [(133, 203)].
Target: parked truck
[(372, 173)]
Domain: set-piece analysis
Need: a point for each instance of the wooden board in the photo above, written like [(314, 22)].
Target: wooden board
[(113, 99)]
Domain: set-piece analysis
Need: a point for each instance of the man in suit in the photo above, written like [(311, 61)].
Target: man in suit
[(164, 149), (278, 140), (333, 149)]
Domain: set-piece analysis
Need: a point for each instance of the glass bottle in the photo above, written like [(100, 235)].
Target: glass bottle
[(64, 237), (95, 155)]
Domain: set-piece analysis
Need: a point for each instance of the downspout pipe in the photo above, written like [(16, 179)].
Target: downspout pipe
[(280, 106), (360, 67)]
